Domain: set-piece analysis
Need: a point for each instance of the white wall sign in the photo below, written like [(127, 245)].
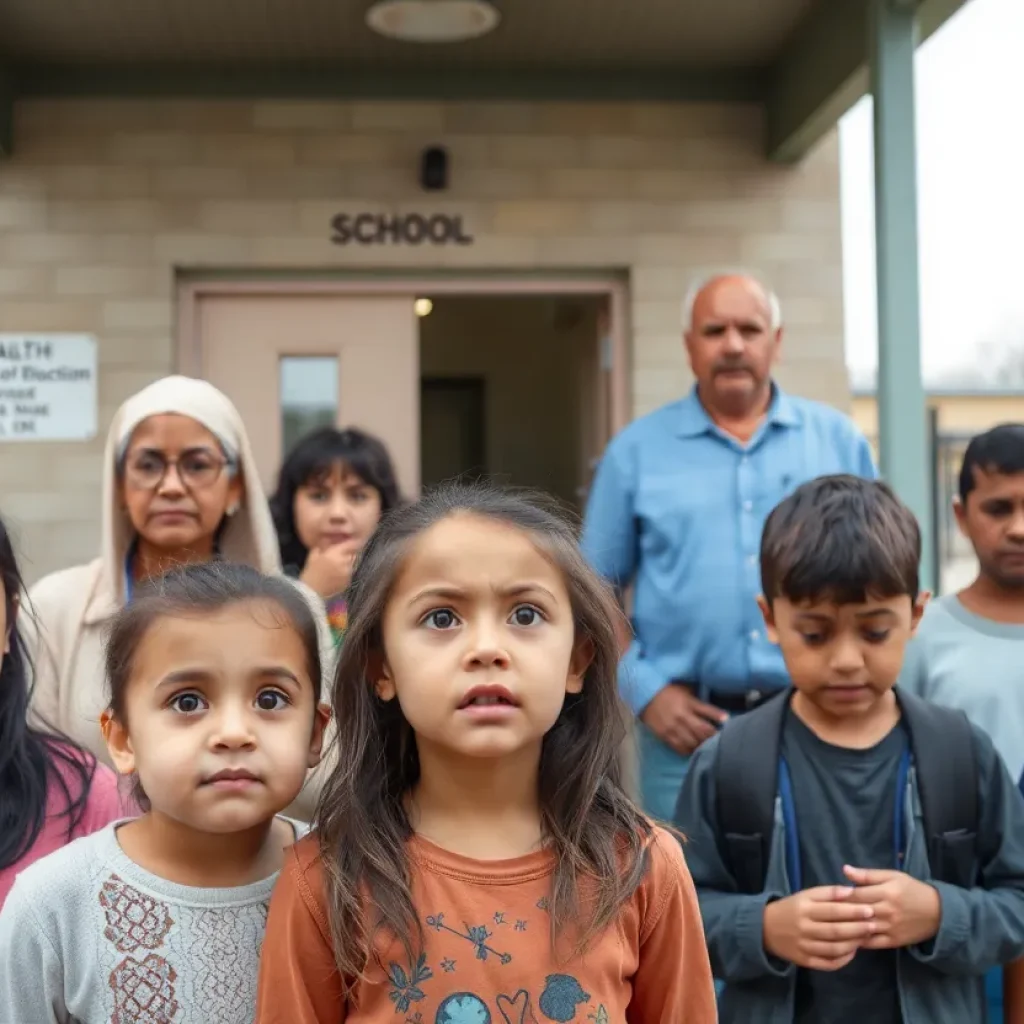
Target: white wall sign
[(47, 387)]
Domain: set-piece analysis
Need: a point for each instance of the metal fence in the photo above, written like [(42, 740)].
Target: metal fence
[(947, 453)]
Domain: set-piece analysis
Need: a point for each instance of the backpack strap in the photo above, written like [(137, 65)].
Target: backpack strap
[(746, 784), (899, 828), (794, 871), (946, 764)]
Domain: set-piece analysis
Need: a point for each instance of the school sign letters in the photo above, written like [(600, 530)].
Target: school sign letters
[(398, 229)]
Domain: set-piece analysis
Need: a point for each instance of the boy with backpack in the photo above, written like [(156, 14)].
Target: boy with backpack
[(969, 650), (858, 853)]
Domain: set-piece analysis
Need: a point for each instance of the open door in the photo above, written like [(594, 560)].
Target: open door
[(595, 382), (291, 363)]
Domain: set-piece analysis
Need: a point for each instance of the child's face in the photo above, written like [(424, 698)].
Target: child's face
[(221, 723), (993, 521), (338, 508), (479, 640), (844, 658)]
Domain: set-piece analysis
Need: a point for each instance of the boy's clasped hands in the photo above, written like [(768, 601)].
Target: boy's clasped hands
[(823, 928)]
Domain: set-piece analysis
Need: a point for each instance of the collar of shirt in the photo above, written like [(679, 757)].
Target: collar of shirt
[(694, 420), (129, 570)]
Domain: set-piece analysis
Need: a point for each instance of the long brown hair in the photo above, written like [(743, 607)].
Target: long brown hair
[(597, 834)]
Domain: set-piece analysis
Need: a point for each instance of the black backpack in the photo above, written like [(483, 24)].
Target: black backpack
[(748, 777)]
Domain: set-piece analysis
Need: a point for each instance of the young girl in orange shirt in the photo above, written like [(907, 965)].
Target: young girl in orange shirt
[(477, 860)]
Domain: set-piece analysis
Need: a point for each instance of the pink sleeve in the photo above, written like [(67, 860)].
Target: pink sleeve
[(106, 803)]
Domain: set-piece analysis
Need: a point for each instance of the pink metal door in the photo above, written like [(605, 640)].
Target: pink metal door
[(289, 362)]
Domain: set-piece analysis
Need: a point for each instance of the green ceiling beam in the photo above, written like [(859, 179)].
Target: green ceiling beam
[(487, 84), (824, 72), (821, 74)]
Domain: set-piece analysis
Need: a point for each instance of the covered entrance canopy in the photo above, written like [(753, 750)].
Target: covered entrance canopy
[(805, 61)]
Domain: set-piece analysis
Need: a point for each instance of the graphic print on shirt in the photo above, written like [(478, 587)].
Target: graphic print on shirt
[(216, 952), (405, 986), (561, 996), (134, 920), (463, 1008), (516, 1009), (475, 934), (562, 999), (143, 989), (559, 1002)]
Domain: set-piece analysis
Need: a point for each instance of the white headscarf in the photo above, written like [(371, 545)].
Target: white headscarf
[(248, 536)]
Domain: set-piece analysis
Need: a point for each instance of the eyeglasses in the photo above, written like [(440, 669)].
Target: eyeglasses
[(197, 469)]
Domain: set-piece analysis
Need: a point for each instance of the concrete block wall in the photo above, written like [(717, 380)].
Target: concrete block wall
[(104, 202)]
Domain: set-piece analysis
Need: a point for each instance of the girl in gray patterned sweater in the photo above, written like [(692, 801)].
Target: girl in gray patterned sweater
[(214, 674)]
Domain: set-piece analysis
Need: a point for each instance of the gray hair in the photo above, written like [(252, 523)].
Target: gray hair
[(774, 306)]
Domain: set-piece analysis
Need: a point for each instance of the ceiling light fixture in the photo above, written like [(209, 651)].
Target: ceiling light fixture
[(433, 21), (422, 307)]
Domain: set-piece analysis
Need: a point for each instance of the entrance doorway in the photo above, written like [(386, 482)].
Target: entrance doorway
[(521, 381), (453, 415), (512, 388)]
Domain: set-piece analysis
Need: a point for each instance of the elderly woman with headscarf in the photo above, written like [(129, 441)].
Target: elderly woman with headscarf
[(180, 485)]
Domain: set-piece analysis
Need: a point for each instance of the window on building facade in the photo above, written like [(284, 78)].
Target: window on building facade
[(309, 396)]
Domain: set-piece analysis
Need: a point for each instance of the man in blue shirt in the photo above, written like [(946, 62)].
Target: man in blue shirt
[(676, 510)]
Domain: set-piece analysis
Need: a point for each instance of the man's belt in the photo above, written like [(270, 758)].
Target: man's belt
[(735, 702)]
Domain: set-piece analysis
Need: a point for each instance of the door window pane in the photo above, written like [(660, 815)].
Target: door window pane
[(309, 396)]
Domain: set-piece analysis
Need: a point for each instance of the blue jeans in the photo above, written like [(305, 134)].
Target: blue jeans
[(994, 991), (662, 771)]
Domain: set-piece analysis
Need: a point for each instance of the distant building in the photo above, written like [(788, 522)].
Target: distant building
[(962, 412)]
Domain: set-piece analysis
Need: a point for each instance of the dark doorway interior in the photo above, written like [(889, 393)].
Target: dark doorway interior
[(513, 388), (453, 416)]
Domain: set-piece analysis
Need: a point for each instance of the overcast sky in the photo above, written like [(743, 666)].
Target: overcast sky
[(970, 131)]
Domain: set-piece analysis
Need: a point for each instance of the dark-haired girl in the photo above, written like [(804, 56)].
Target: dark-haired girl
[(214, 675), (477, 858), (332, 490), (51, 791)]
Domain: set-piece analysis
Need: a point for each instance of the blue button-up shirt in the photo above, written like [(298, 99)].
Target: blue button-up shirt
[(677, 508)]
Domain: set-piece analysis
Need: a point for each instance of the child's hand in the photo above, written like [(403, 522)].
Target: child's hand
[(328, 570), (818, 928), (906, 911)]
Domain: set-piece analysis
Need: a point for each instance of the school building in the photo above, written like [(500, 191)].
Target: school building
[(464, 225)]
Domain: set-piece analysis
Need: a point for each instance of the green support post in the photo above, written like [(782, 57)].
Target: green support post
[(902, 408)]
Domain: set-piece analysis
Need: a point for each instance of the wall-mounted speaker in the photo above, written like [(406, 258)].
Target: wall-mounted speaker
[(434, 169)]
